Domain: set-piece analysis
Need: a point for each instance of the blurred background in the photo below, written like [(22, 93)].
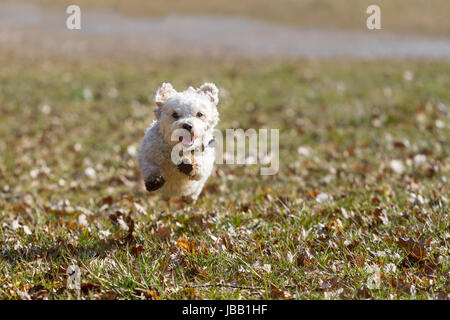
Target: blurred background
[(286, 28)]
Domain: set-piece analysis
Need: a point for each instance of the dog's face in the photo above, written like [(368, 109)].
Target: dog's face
[(186, 116)]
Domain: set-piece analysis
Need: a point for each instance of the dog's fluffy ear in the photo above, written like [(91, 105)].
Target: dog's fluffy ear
[(210, 90), (164, 92)]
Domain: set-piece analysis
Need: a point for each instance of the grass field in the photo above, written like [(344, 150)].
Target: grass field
[(416, 16), (361, 196)]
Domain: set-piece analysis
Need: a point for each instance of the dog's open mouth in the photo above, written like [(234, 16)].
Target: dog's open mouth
[(187, 141)]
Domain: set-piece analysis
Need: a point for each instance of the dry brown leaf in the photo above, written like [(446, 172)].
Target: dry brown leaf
[(89, 286), (109, 295), (186, 245), (162, 232), (363, 293), (38, 293), (135, 251), (276, 293), (413, 248)]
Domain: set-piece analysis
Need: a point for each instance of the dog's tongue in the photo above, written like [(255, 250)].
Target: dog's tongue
[(189, 140)]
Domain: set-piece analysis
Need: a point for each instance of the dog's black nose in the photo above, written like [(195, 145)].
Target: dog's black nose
[(187, 126)]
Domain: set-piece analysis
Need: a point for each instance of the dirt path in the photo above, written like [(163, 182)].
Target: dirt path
[(31, 29)]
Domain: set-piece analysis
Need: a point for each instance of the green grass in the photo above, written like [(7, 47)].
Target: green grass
[(248, 236)]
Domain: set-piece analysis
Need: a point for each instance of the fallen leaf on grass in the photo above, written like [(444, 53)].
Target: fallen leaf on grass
[(148, 294), (399, 284), (139, 209), (332, 284), (397, 166), (303, 260), (122, 224), (107, 200), (109, 295), (413, 248), (38, 293), (89, 286), (125, 222), (82, 220), (353, 245), (442, 295), (363, 293), (61, 208), (354, 259), (198, 220), (136, 250), (226, 242), (162, 232), (276, 293), (191, 293), (376, 201), (399, 144), (312, 194), (186, 245)]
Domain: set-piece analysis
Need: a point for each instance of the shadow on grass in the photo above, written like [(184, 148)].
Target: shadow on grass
[(64, 252)]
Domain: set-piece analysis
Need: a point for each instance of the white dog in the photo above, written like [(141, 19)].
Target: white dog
[(184, 125)]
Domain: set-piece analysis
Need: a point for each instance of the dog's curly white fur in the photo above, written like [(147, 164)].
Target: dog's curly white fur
[(193, 110)]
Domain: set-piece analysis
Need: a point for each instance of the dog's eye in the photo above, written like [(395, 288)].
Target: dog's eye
[(175, 115), (199, 114)]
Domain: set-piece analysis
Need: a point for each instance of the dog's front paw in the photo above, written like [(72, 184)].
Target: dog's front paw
[(154, 183), (189, 169), (186, 168)]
